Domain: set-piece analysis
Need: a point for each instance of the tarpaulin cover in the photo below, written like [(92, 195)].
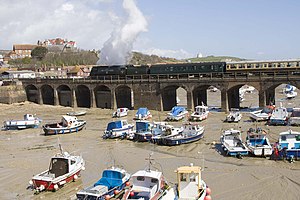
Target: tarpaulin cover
[(110, 179)]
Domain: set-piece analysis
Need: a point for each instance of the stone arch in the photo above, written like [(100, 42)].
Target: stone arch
[(124, 97), (83, 96), (102, 96), (47, 93), (64, 95), (169, 96), (32, 93)]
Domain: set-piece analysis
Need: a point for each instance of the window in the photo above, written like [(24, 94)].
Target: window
[(192, 177), (297, 137), (72, 162), (283, 138), (154, 180), (140, 178), (182, 177)]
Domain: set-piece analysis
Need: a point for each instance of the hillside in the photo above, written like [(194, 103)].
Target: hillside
[(215, 59)]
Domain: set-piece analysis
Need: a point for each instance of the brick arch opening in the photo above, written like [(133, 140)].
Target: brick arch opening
[(83, 96), (103, 97), (64, 95), (47, 94), (32, 93), (124, 97), (173, 95)]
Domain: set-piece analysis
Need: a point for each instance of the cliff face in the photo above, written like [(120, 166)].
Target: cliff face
[(13, 93)]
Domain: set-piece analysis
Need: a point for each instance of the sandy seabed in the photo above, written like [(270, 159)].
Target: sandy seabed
[(27, 152)]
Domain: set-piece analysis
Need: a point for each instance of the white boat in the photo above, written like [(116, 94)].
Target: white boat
[(246, 88), (289, 142), (118, 129), (263, 114), (190, 185), (64, 168), (177, 113), (113, 182), (201, 113), (288, 88), (77, 113), (291, 94), (143, 114), (29, 121), (121, 112), (294, 119), (162, 130), (258, 143), (279, 116), (231, 141), (68, 124), (213, 89), (234, 116), (147, 185)]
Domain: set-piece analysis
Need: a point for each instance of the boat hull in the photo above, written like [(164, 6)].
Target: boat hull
[(64, 130), (173, 142), (260, 151), (142, 137), (278, 122)]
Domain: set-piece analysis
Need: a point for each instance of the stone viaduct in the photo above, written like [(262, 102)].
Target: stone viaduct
[(156, 94)]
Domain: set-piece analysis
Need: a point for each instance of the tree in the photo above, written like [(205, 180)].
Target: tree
[(39, 52)]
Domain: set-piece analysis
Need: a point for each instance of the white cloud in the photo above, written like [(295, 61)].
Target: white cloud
[(179, 54)]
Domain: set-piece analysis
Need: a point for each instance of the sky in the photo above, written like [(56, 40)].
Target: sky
[(251, 29)]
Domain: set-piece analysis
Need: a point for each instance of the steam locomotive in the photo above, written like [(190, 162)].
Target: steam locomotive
[(194, 69)]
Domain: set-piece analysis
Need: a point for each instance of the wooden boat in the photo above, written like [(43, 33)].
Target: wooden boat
[(258, 143), (77, 113), (142, 114), (279, 116), (201, 113), (294, 119), (121, 112), (190, 185), (118, 129), (147, 185), (232, 144), (29, 121), (263, 114), (189, 133), (234, 116), (113, 181), (68, 124), (289, 142), (177, 113), (64, 168)]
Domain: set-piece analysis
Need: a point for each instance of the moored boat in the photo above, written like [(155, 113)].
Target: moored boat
[(232, 143), (289, 142), (234, 115), (121, 112), (113, 182), (177, 113), (29, 121), (118, 129), (190, 185), (279, 116), (142, 114), (77, 113), (68, 124), (258, 143), (189, 133), (263, 114), (163, 130), (294, 119), (201, 113), (63, 169), (143, 132)]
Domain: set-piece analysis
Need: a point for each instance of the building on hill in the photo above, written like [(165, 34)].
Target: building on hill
[(22, 50), (79, 71), (58, 45)]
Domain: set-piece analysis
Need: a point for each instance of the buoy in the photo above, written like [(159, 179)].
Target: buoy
[(116, 192), (83, 168), (30, 182), (127, 183), (208, 191), (107, 196), (56, 187), (131, 194), (208, 197), (75, 177)]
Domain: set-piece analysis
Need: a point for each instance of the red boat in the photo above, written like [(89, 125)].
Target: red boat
[(63, 168)]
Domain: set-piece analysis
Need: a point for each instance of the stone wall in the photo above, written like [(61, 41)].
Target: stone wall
[(13, 93)]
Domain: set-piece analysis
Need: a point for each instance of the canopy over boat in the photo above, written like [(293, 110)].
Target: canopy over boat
[(114, 125), (110, 179), (176, 110)]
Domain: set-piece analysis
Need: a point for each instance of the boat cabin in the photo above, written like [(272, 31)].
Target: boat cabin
[(61, 165), (290, 139), (189, 181)]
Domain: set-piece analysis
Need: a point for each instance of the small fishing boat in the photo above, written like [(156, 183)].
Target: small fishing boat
[(258, 143), (77, 113), (291, 94), (29, 121), (231, 141), (294, 119), (201, 113), (147, 184), (262, 115), (189, 133), (288, 88), (121, 112), (63, 169), (143, 131), (162, 130), (190, 185), (68, 124), (143, 114), (213, 89), (234, 115), (113, 182), (279, 116), (289, 142), (177, 113), (118, 129)]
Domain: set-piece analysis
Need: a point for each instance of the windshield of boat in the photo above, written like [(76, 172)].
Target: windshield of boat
[(295, 114), (59, 166)]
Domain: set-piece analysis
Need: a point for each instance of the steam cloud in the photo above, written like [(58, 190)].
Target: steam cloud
[(117, 49)]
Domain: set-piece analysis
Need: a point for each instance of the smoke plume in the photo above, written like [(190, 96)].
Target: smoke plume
[(118, 48)]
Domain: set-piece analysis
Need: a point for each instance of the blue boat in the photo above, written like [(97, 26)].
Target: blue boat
[(289, 142), (190, 133), (113, 181), (143, 114), (177, 113), (143, 131), (118, 129)]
